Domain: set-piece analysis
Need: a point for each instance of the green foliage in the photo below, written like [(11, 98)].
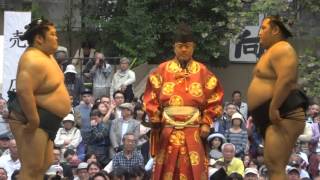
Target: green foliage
[(309, 68), (144, 29), (36, 11)]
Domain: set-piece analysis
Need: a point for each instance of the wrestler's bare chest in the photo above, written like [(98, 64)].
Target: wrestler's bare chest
[(53, 76), (264, 68)]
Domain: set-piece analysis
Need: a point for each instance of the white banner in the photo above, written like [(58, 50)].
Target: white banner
[(14, 23), (1, 60), (246, 47)]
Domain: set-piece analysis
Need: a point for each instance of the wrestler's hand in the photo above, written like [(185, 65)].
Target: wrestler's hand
[(274, 115), (30, 127), (204, 131)]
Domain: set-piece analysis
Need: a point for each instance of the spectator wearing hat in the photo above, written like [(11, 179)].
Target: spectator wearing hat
[(61, 56), (101, 73), (123, 125), (293, 173), (251, 174), (304, 163), (217, 170), (97, 138), (82, 172), (236, 135), (69, 136), (73, 83), (215, 141), (54, 171), (123, 80), (300, 161), (4, 144)]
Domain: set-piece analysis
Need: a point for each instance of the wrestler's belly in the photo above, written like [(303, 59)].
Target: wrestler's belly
[(259, 91), (56, 101)]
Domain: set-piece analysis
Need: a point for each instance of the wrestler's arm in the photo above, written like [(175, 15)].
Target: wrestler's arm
[(31, 75), (284, 63)]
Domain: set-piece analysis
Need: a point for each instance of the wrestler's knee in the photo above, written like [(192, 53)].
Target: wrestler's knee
[(274, 163), (33, 169)]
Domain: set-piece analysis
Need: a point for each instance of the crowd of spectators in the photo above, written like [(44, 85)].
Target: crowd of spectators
[(106, 133)]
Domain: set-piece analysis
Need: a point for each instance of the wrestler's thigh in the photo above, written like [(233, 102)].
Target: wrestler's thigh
[(292, 129), (32, 147), (280, 140)]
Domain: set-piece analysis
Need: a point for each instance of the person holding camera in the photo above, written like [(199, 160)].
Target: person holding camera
[(101, 73)]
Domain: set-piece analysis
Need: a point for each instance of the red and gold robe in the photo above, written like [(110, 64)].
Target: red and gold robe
[(179, 152)]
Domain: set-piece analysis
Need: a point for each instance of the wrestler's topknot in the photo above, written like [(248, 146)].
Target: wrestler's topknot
[(282, 23), (37, 26)]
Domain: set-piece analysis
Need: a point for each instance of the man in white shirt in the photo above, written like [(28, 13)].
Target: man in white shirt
[(123, 80), (242, 106), (10, 161)]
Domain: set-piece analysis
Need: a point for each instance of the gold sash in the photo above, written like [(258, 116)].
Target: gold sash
[(192, 115)]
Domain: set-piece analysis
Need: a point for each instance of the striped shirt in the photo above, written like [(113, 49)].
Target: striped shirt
[(240, 140)]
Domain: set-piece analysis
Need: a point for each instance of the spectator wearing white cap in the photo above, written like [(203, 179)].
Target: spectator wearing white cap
[(82, 172), (215, 141), (293, 173), (236, 135), (123, 80), (251, 174), (61, 56), (300, 161), (73, 83), (69, 136), (304, 163), (54, 171)]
